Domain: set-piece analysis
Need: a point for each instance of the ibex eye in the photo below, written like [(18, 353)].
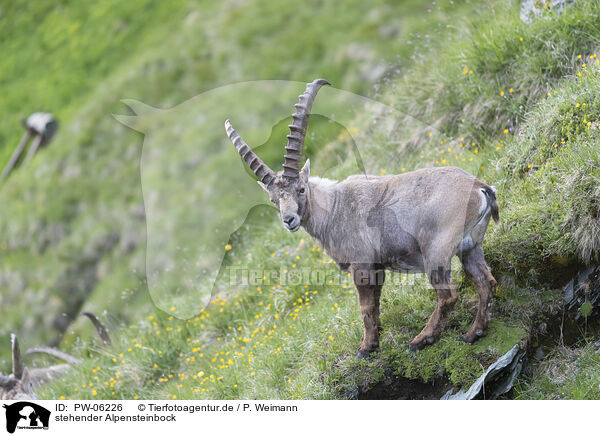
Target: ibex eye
[(301, 190)]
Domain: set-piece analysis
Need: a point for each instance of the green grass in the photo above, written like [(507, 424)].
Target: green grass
[(518, 121), (84, 189), (55, 55), (269, 341), (567, 373), (555, 162)]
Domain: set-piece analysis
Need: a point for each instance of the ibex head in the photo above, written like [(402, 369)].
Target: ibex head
[(287, 189), (21, 383)]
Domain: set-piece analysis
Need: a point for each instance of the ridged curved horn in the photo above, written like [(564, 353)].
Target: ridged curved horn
[(17, 361), (102, 331), (293, 156), (262, 171), (54, 353)]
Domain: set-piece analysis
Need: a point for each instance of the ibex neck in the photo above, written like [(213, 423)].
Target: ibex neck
[(321, 203)]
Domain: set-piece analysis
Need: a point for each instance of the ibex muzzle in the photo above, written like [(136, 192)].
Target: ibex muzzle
[(415, 222)]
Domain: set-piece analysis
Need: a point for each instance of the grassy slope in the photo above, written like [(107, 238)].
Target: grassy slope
[(71, 229), (255, 343), (279, 341), (55, 54)]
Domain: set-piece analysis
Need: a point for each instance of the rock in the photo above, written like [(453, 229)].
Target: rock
[(498, 379), (531, 9), (582, 294), (129, 240), (539, 353)]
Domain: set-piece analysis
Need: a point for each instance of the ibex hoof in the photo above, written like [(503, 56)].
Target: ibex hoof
[(471, 337), (416, 346), (363, 354), (468, 339)]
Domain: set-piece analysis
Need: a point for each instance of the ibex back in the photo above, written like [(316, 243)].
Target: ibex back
[(416, 221)]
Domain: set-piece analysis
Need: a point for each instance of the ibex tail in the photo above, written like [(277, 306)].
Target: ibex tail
[(490, 193)]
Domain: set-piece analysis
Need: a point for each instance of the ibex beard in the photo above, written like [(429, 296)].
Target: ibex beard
[(416, 221)]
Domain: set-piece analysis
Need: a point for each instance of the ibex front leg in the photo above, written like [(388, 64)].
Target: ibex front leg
[(369, 281)]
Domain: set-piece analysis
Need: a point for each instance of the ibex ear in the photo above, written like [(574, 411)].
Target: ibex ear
[(4, 381), (17, 360), (305, 171), (262, 185)]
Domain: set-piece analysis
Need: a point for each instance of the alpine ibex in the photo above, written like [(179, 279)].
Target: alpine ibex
[(20, 384), (416, 221)]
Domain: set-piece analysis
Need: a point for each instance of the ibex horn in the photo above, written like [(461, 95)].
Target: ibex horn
[(262, 171), (17, 361), (102, 331), (54, 353), (293, 156)]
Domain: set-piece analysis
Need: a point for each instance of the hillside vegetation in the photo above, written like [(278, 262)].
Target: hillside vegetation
[(514, 104), (72, 228)]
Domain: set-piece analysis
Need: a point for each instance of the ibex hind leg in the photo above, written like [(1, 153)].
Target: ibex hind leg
[(478, 271), (440, 277)]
